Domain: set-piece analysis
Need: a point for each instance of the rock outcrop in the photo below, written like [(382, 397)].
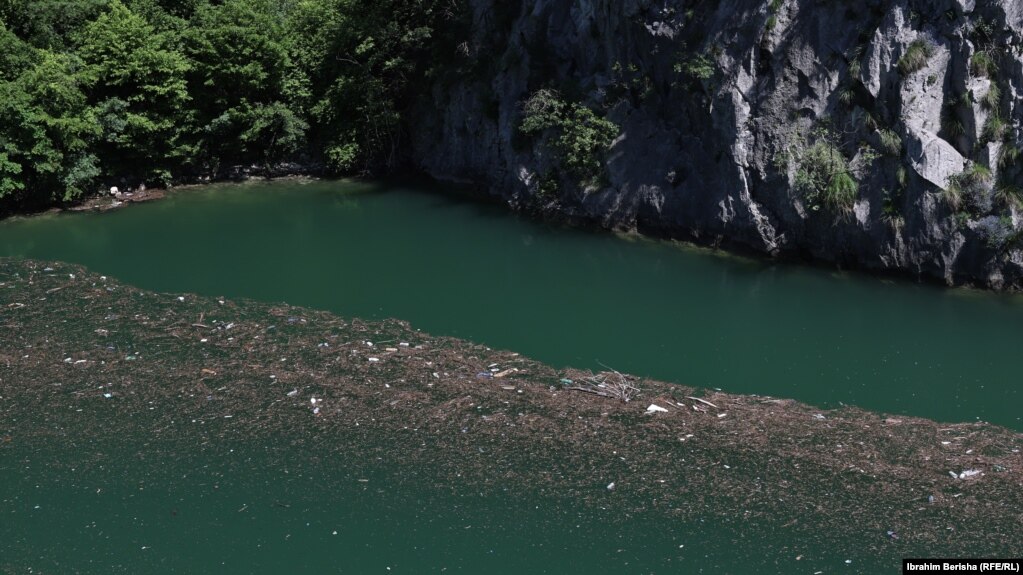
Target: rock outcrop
[(716, 102)]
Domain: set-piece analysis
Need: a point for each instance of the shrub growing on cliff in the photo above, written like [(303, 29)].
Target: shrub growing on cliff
[(916, 56), (577, 136), (542, 111), (982, 31), (972, 186), (993, 98), (983, 64), (891, 211), (996, 231), (699, 67), (952, 194), (584, 139), (1008, 155), (951, 116), (1009, 195), (994, 128), (823, 175), (891, 143)]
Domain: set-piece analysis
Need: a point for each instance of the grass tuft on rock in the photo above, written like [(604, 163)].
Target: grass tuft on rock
[(916, 56)]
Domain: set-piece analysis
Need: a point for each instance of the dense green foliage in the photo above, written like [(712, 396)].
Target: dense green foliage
[(578, 137), (823, 175), (155, 91)]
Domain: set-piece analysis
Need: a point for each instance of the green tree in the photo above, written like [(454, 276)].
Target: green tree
[(16, 56), (244, 71), (275, 131), (150, 89), (49, 24), (138, 88), (578, 137), (46, 132), (366, 58)]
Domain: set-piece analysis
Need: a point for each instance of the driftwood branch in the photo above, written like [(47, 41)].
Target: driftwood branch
[(703, 401), (590, 390), (613, 385)]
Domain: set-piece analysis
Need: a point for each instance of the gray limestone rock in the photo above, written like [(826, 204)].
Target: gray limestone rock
[(700, 158), (934, 159)]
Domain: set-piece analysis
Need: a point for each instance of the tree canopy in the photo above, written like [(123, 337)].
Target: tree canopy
[(157, 91)]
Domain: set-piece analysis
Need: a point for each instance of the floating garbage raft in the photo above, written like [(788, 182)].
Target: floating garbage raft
[(86, 360)]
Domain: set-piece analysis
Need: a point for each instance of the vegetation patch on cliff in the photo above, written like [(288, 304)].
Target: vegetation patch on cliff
[(577, 137), (822, 174), (916, 56)]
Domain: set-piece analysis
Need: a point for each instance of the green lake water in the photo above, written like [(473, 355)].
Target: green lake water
[(566, 297), (472, 270), (246, 509)]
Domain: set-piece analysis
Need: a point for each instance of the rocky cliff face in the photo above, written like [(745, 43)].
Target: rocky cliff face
[(731, 112)]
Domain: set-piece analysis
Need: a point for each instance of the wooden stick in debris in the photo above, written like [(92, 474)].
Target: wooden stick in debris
[(590, 390), (605, 366), (703, 401)]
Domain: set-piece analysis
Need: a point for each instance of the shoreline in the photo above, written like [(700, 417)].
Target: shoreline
[(721, 247), (103, 201), (837, 477)]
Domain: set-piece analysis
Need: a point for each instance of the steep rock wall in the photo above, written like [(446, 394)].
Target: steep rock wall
[(703, 156)]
